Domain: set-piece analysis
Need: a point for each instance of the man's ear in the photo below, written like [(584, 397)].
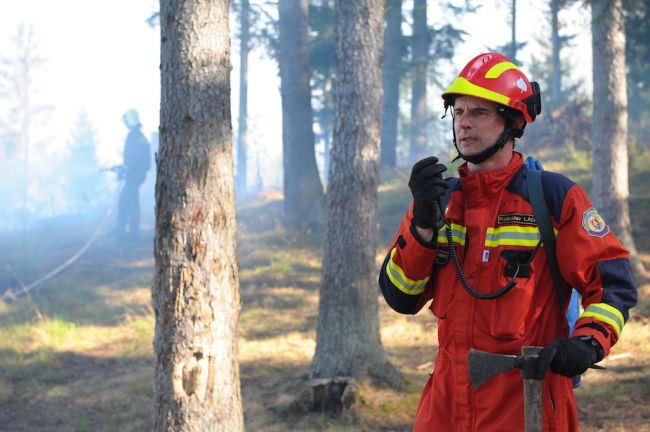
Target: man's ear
[(519, 121), (518, 124)]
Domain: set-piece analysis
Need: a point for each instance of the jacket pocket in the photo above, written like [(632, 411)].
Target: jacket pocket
[(511, 309), (443, 293)]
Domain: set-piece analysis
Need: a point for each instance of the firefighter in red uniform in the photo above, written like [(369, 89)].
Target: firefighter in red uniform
[(491, 225)]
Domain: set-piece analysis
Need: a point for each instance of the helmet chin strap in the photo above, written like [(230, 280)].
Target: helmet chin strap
[(505, 136)]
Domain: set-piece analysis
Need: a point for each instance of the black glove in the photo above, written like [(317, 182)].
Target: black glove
[(569, 356), (427, 185)]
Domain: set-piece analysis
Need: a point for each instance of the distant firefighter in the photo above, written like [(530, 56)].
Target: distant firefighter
[(136, 163)]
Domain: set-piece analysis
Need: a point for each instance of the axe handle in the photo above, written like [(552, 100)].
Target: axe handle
[(532, 396), (532, 405)]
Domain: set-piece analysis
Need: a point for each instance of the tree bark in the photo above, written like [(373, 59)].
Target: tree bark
[(327, 125), (419, 53), (392, 71), (556, 72), (513, 36), (303, 191), (348, 343), (610, 188), (241, 179), (196, 286)]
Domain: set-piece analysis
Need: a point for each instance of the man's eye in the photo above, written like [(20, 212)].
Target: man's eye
[(458, 113)]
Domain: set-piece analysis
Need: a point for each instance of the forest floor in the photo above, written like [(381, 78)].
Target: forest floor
[(77, 356)]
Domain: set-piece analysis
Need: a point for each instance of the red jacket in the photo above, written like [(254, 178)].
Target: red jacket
[(493, 223)]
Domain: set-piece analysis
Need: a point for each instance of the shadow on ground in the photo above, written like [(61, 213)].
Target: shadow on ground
[(71, 392)]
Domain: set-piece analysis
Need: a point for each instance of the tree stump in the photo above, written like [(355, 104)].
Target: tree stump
[(333, 396)]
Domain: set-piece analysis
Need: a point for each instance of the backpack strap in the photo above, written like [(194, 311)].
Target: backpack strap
[(546, 230)]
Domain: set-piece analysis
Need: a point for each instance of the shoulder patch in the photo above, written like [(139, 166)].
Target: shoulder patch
[(594, 223)]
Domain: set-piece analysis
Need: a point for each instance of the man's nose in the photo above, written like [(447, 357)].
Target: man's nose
[(463, 121)]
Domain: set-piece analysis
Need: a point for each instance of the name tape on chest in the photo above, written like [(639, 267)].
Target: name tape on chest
[(516, 218)]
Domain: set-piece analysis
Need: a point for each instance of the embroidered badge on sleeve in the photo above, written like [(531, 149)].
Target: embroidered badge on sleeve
[(594, 223)]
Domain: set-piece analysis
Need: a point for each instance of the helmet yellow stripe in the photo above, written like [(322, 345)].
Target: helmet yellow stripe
[(463, 86), (496, 70)]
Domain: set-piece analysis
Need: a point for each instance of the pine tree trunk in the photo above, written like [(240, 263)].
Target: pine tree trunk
[(196, 287), (392, 68), (327, 125), (556, 73), (241, 178), (419, 53), (348, 340), (513, 28), (560, 138), (303, 191), (610, 189)]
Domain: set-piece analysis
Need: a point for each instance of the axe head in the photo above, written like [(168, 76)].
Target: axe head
[(482, 366)]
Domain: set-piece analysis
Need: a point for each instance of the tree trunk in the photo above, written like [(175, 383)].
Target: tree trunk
[(513, 38), (609, 134), (348, 342), (560, 137), (392, 69), (556, 73), (326, 123), (196, 286), (241, 182), (419, 48), (17, 76), (303, 191)]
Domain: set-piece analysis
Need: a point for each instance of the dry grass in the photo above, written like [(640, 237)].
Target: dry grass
[(88, 365)]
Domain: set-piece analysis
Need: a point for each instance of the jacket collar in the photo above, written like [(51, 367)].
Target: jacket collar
[(491, 182)]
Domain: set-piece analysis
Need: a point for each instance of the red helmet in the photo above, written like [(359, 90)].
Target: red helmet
[(494, 77)]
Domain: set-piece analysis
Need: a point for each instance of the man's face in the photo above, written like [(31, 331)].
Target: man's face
[(477, 124)]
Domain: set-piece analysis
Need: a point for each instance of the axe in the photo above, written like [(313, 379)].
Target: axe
[(482, 366)]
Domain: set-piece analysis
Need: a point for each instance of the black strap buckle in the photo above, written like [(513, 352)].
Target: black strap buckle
[(516, 268)]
